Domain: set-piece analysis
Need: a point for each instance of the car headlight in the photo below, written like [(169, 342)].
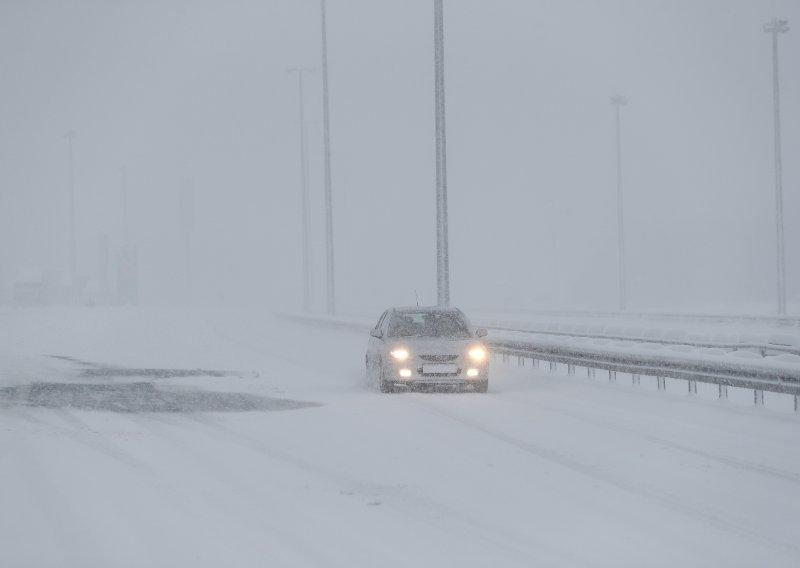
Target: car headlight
[(399, 354), (477, 354)]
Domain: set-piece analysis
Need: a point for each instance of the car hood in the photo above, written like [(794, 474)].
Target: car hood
[(434, 345)]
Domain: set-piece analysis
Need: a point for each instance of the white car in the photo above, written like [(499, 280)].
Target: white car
[(411, 347)]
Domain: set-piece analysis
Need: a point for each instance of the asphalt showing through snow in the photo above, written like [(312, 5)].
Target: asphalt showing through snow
[(139, 396)]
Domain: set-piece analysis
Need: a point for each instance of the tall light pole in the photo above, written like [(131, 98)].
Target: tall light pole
[(70, 137), (123, 172), (442, 253), (618, 102), (331, 290), (304, 189), (127, 267), (776, 27), (187, 223)]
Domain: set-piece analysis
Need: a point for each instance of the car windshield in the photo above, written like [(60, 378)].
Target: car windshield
[(428, 324)]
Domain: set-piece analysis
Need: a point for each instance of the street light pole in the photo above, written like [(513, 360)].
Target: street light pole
[(123, 172), (304, 190), (331, 290), (618, 102), (442, 252), (70, 136), (776, 27)]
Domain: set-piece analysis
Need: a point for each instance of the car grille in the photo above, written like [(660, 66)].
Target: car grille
[(439, 358)]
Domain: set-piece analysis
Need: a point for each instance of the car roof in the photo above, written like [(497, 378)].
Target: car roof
[(424, 309)]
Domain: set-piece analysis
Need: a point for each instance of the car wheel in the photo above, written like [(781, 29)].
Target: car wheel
[(384, 385), (482, 386)]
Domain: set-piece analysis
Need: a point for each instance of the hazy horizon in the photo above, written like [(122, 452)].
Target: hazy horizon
[(193, 99)]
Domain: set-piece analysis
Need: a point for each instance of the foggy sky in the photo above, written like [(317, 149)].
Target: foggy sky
[(192, 97)]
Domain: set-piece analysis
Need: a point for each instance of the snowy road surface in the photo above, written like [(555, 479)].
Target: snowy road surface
[(132, 452)]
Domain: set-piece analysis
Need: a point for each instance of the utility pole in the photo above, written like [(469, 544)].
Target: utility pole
[(331, 290), (776, 27), (127, 261), (442, 253), (187, 222), (304, 191), (73, 271), (618, 102), (123, 172)]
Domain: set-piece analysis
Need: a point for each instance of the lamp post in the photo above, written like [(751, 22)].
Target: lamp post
[(304, 190), (330, 288), (442, 252), (73, 271), (123, 172), (618, 102), (776, 27)]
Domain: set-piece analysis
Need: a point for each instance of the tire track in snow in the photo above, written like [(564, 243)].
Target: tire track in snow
[(736, 463), (167, 431), (89, 436), (24, 416), (627, 396), (524, 547), (161, 493), (62, 514), (574, 465), (56, 524), (84, 434), (79, 431)]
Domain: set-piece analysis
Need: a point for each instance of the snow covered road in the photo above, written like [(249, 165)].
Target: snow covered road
[(288, 459)]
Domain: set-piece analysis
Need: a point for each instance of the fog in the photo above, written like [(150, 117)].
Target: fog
[(184, 115)]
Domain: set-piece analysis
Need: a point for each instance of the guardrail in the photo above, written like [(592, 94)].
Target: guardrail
[(772, 320), (724, 374), (776, 344), (721, 373)]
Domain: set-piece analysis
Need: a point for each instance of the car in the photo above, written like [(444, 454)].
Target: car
[(426, 346)]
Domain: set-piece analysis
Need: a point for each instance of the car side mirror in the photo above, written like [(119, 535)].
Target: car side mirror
[(481, 332), (377, 333)]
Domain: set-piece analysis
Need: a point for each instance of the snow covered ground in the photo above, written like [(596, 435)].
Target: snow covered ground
[(161, 437), (727, 329)]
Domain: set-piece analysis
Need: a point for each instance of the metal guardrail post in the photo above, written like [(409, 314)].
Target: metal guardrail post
[(758, 397), (520, 361), (570, 369), (612, 376), (553, 367), (795, 402), (662, 383), (723, 392), (590, 371), (692, 387), (636, 379)]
